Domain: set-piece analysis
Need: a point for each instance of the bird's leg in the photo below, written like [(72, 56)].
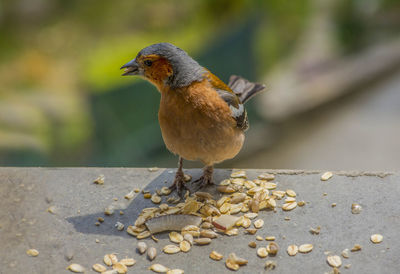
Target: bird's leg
[(207, 177), (179, 183)]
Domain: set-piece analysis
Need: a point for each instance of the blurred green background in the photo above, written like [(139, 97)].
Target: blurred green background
[(64, 103)]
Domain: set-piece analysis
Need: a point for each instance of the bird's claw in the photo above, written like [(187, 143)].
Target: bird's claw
[(202, 182), (179, 186)]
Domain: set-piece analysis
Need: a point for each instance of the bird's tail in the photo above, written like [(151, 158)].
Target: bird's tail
[(243, 88)]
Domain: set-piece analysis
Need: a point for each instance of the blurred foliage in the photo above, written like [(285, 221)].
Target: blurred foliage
[(63, 102)]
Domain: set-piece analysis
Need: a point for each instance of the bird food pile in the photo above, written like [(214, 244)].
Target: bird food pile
[(200, 218)]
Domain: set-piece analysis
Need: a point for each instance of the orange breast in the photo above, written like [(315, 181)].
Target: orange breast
[(197, 124)]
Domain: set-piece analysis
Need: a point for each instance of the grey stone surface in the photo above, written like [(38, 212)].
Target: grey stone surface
[(27, 193)]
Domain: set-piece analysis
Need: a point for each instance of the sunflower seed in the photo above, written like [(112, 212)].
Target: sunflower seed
[(376, 238), (77, 268), (345, 253), (171, 249), (152, 253), (99, 268), (121, 268), (184, 246), (290, 193), (262, 252), (258, 223), (305, 248), (253, 244), (216, 256), (289, 206), (272, 248), (142, 247), (175, 237), (175, 271), (292, 250), (334, 261), (128, 261), (159, 268), (32, 252), (202, 241)]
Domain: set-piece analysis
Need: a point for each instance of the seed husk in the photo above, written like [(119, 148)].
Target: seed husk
[(129, 195), (270, 265), (171, 249), (99, 268), (289, 206), (334, 261), (272, 248), (175, 271), (253, 244), (356, 208), (376, 238), (305, 248), (32, 252), (292, 250), (356, 247), (326, 176), (159, 268), (121, 268), (175, 237), (152, 253), (236, 259), (216, 256), (120, 226), (77, 268), (142, 247), (262, 252), (100, 180), (128, 261), (315, 231), (184, 246), (202, 241), (165, 190), (345, 253), (258, 223), (144, 234)]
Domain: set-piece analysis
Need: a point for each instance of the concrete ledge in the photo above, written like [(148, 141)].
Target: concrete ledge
[(27, 193)]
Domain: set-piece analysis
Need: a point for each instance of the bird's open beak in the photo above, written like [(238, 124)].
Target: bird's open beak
[(130, 68)]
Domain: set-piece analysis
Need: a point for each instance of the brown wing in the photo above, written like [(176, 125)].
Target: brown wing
[(238, 111)]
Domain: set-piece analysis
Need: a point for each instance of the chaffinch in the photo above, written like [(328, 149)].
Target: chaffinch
[(201, 118)]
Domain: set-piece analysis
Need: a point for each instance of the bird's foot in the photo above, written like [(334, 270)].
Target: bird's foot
[(206, 179), (179, 185)]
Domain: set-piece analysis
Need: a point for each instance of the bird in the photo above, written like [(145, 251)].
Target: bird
[(201, 118)]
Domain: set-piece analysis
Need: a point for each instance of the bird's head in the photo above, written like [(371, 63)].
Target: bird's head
[(163, 65)]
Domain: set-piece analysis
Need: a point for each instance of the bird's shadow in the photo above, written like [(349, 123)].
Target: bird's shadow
[(131, 209)]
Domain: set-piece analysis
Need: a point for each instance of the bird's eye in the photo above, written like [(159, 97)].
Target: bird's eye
[(148, 63)]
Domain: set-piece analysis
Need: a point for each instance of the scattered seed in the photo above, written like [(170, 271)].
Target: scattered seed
[(238, 174), (270, 265), (270, 238), (184, 246), (175, 271), (251, 215), (207, 233), (129, 195), (225, 189), (326, 176), (258, 223), (77, 268), (305, 248), (97, 223), (356, 208), (287, 218), (253, 244), (259, 238), (142, 247), (251, 231), (347, 266), (109, 210), (187, 178), (99, 268), (236, 259), (315, 231), (345, 253), (188, 237), (266, 176), (290, 193), (152, 253), (100, 219), (202, 241), (159, 268), (334, 261), (100, 180), (272, 248), (147, 195), (292, 250), (356, 247), (231, 265), (301, 203), (153, 169), (155, 198), (240, 197), (262, 252), (110, 259), (175, 237), (32, 252), (128, 261), (120, 268), (216, 256), (270, 186), (120, 226), (289, 206), (143, 235), (376, 238), (171, 249)]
